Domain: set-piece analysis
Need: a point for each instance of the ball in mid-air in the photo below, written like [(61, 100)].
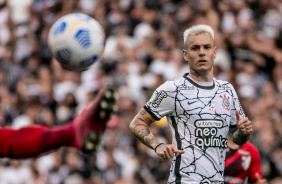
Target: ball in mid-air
[(77, 41)]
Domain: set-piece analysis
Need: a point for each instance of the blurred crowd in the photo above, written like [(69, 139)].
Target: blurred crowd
[(144, 41)]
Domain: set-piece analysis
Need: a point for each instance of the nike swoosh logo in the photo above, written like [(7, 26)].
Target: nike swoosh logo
[(190, 103)]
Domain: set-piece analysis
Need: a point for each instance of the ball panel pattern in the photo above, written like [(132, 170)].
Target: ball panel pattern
[(60, 28), (88, 61), (64, 55), (83, 38)]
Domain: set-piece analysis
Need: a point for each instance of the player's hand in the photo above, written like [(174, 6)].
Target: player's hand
[(167, 151), (244, 124), (259, 180)]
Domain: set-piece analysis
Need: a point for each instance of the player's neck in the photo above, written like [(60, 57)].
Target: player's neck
[(201, 78)]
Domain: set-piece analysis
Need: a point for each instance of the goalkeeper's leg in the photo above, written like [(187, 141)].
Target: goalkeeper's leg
[(84, 133), (33, 140)]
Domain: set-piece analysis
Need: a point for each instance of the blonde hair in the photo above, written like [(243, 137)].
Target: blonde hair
[(197, 29)]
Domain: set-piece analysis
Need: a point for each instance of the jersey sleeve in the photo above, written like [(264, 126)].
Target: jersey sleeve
[(162, 101), (236, 105), (255, 165)]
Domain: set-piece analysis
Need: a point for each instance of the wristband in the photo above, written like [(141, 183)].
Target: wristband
[(158, 146)]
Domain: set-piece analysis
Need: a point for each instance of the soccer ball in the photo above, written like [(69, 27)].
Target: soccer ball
[(77, 41)]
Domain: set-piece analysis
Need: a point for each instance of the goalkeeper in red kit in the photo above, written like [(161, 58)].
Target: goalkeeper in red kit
[(242, 164), (84, 133)]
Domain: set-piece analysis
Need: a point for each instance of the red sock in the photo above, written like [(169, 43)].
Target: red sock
[(34, 140)]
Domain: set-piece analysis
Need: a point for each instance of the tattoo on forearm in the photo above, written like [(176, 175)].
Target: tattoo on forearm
[(142, 132), (238, 137), (140, 128)]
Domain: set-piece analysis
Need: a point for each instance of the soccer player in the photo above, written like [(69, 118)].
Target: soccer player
[(201, 112), (242, 164), (84, 133)]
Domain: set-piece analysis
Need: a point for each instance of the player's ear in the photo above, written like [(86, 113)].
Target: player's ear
[(215, 50), (184, 52)]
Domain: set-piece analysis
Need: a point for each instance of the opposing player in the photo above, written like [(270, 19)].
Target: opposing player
[(201, 112), (242, 164), (84, 133)]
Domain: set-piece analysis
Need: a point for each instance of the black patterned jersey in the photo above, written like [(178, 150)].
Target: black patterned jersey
[(199, 118)]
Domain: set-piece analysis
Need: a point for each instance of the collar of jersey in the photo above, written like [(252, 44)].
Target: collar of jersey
[(198, 85)]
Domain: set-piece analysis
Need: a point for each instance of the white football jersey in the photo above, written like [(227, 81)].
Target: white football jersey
[(199, 118)]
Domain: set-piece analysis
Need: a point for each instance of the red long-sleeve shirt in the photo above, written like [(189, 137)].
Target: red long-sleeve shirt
[(242, 164)]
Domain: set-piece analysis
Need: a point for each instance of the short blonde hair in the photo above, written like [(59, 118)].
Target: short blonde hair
[(197, 29)]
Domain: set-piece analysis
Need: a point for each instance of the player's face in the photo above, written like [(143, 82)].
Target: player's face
[(200, 53)]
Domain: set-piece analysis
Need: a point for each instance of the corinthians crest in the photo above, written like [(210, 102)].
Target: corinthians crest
[(225, 102)]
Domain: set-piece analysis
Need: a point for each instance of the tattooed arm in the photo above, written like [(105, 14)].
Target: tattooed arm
[(140, 128), (238, 137), (241, 134)]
